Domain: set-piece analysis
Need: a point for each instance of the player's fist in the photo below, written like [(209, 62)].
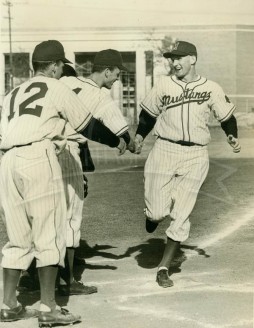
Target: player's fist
[(131, 146), (122, 147), (138, 141), (234, 143)]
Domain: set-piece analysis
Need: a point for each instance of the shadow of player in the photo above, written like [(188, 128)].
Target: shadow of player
[(83, 252), (150, 254)]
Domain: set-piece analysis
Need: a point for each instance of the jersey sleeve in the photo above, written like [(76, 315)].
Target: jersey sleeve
[(152, 103), (110, 115), (221, 105), (73, 110)]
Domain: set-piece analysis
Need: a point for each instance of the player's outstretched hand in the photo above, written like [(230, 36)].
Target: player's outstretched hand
[(131, 146), (122, 147), (138, 141), (234, 143)]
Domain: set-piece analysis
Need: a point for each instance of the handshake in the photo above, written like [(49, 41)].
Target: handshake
[(134, 146)]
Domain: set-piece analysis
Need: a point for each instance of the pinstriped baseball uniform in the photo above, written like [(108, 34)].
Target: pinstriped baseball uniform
[(31, 185), (101, 105), (74, 191), (104, 109), (174, 172)]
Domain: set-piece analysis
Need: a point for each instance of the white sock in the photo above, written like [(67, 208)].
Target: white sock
[(162, 268), (44, 308), (6, 307)]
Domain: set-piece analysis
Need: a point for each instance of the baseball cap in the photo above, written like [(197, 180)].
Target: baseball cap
[(181, 48), (50, 50), (68, 70), (109, 57)]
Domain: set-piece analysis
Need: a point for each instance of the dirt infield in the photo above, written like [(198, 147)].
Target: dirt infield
[(213, 271)]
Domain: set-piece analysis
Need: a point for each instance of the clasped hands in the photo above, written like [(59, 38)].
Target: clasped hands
[(134, 146)]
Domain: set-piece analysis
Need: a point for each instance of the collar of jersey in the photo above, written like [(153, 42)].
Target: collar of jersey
[(89, 81), (180, 82)]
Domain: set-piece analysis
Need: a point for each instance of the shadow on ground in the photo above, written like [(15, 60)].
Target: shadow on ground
[(150, 253)]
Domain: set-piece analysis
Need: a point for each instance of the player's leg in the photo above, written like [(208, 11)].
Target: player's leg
[(47, 207), (189, 181), (74, 189), (159, 175), (170, 250), (18, 252)]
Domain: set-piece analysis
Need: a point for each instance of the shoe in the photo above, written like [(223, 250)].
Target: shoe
[(28, 284), (163, 279), (76, 288), (18, 313), (151, 226), (57, 317)]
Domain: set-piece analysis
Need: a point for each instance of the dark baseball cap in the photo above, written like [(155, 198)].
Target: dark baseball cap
[(109, 57), (68, 70), (50, 50), (181, 48)]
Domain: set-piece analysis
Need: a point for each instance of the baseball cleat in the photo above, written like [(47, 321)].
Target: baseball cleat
[(17, 313), (163, 279), (151, 226), (76, 288), (57, 317)]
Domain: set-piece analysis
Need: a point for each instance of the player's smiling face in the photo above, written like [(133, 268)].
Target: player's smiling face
[(182, 65)]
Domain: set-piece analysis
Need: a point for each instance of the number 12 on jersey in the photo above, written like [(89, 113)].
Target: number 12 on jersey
[(24, 107)]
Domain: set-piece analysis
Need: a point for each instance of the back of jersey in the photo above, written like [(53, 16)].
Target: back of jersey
[(31, 112)]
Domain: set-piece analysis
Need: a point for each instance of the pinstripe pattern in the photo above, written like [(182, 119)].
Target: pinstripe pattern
[(73, 183), (100, 104), (103, 108), (34, 115), (57, 101), (183, 109), (34, 206), (174, 173), (173, 177)]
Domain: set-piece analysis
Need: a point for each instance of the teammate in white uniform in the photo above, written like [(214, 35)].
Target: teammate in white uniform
[(31, 186), (178, 110), (103, 108)]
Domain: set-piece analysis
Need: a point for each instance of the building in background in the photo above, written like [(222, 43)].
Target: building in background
[(225, 55)]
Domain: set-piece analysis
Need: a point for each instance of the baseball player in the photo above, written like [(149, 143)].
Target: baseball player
[(178, 110), (103, 108), (31, 186)]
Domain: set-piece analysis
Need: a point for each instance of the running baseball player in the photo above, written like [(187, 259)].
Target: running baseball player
[(31, 187), (103, 108), (178, 110)]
